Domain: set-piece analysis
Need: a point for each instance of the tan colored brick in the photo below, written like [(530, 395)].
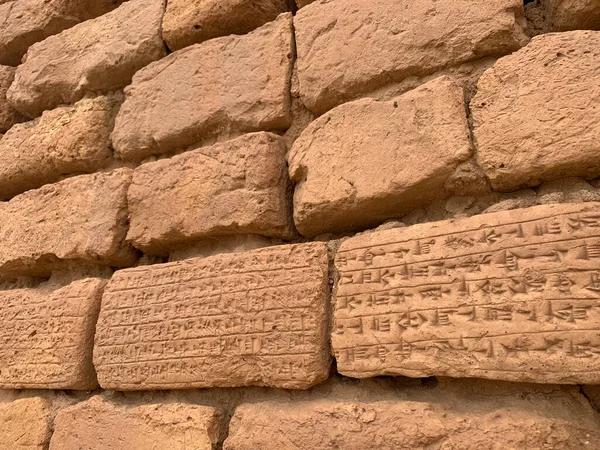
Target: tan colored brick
[(26, 424), (366, 161), (535, 114), (82, 219), (235, 187), (65, 140), (573, 14), (8, 115), (25, 22), (510, 296), (98, 55), (47, 336), (98, 424), (235, 83), (237, 319), (190, 22), (348, 48), (453, 416)]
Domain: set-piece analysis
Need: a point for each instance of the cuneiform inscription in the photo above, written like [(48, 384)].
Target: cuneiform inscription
[(252, 318), (46, 335), (512, 295)]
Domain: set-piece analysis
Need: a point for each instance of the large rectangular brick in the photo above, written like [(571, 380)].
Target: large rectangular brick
[(511, 296), (99, 424), (367, 161), (235, 187), (573, 14), (25, 22), (465, 417), (98, 55), (536, 116), (26, 424), (228, 84), (65, 140), (348, 48), (47, 335), (238, 319), (188, 22), (8, 115), (81, 219)]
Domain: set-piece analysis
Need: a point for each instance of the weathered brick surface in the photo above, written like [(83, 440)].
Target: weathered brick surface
[(190, 22), (445, 418), (367, 161), (573, 14), (231, 83), (98, 55), (26, 424), (25, 22), (98, 424), (8, 115), (83, 218), (510, 296), (238, 319), (47, 335), (65, 140), (235, 187), (534, 114), (302, 3), (346, 48)]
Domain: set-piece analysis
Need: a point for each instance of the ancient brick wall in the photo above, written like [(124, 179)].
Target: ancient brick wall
[(327, 224)]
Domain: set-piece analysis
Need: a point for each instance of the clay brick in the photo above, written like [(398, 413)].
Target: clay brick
[(534, 114), (235, 83), (509, 419), (191, 22), (26, 424), (98, 424), (25, 22), (510, 295), (8, 115), (47, 336), (252, 318), (98, 55), (83, 219), (301, 3), (235, 187), (68, 139), (348, 48), (573, 14), (387, 158)]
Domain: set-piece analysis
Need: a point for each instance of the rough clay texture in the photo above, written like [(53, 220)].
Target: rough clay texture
[(510, 296), (367, 161), (190, 22), (236, 83), (536, 115), (25, 22), (65, 140), (25, 424), (347, 48), (573, 14), (252, 318), (47, 336), (8, 115), (452, 420), (98, 55), (236, 187), (98, 424), (82, 219)]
